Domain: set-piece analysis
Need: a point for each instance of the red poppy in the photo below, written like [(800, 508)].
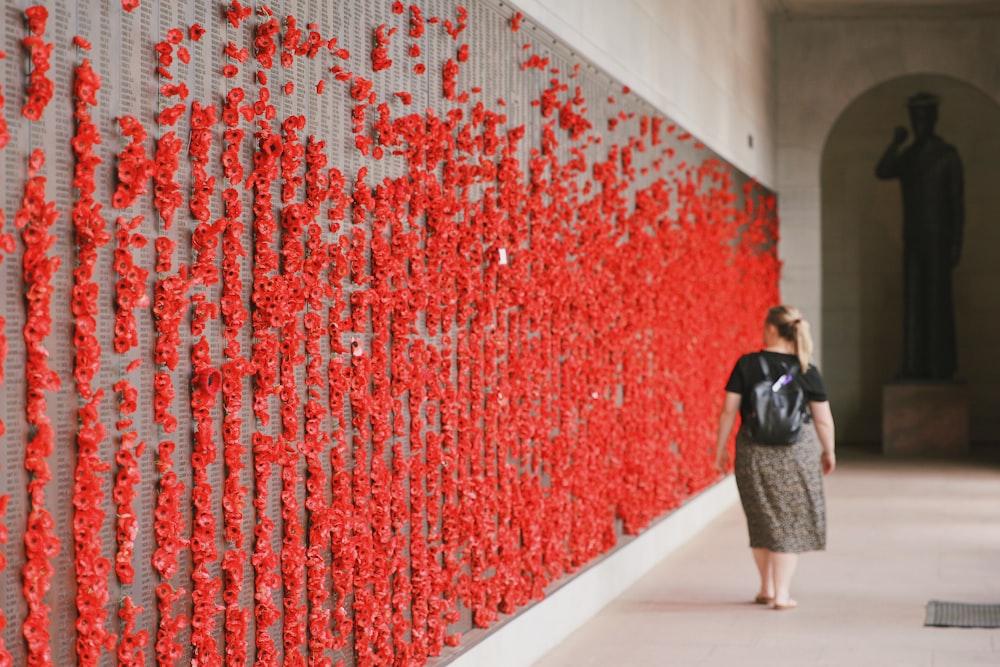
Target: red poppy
[(236, 13)]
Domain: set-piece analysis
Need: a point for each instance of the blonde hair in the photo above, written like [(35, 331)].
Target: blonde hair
[(794, 328)]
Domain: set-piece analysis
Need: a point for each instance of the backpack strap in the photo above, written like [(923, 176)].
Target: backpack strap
[(766, 368), (763, 365)]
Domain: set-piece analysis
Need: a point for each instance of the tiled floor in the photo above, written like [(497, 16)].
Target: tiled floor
[(900, 534)]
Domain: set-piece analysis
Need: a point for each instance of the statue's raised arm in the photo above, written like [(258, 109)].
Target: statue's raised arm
[(888, 166)]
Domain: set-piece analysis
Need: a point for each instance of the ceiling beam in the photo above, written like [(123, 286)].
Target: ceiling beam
[(883, 9)]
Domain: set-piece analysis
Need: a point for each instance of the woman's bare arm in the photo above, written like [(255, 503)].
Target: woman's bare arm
[(727, 417), (823, 419)]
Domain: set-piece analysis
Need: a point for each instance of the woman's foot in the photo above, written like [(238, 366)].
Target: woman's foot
[(787, 605), (763, 599)]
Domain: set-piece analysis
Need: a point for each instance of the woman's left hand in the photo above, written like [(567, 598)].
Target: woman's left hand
[(722, 461), (829, 460)]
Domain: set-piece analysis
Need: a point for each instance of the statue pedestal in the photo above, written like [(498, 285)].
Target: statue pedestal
[(921, 418)]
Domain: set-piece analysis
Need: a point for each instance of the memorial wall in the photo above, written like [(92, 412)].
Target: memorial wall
[(330, 331)]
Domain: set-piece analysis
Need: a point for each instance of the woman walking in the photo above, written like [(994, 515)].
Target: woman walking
[(780, 486)]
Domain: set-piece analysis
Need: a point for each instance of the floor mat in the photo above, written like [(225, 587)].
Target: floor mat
[(962, 615)]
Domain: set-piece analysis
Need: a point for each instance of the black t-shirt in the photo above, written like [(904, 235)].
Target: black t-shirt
[(747, 373)]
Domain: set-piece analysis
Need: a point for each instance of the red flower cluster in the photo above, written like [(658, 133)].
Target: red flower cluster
[(40, 87), (267, 301), (170, 301), (92, 567), (205, 384), (130, 289), (535, 61), (296, 43), (169, 529), (4, 132), (132, 642), (236, 13), (134, 166), (234, 370), (6, 659), (292, 545), (416, 22), (167, 196), (316, 291), (380, 53), (455, 29), (7, 245), (448, 79), (126, 481), (41, 544), (130, 293), (343, 554), (265, 46), (205, 238)]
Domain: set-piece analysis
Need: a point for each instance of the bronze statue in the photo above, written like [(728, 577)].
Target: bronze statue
[(930, 173)]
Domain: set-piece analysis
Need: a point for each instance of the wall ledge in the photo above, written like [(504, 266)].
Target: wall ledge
[(527, 636)]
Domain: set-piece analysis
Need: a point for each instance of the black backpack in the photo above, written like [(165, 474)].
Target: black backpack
[(777, 407)]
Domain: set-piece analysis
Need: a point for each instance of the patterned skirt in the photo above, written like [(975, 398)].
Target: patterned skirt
[(781, 489)]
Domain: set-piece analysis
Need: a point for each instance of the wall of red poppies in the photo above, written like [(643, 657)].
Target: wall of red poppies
[(328, 333)]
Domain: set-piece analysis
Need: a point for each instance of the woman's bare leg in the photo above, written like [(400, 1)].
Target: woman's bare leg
[(763, 559), (783, 567)]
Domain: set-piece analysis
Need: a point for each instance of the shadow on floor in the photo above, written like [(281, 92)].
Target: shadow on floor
[(986, 454)]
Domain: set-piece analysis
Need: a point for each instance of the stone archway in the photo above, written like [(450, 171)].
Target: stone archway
[(862, 252), (821, 67)]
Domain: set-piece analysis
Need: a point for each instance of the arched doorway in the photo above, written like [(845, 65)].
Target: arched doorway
[(862, 253)]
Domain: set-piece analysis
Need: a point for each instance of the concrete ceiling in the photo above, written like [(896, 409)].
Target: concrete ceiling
[(932, 9)]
